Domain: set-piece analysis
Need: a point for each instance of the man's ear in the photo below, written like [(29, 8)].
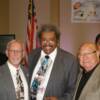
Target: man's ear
[(6, 52), (23, 53), (98, 53)]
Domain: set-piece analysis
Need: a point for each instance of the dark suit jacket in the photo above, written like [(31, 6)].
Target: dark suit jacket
[(63, 76), (7, 90)]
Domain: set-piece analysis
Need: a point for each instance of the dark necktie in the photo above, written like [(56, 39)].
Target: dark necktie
[(36, 82), (20, 88)]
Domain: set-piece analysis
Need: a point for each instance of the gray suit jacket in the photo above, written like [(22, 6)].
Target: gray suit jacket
[(7, 90), (91, 90), (63, 76)]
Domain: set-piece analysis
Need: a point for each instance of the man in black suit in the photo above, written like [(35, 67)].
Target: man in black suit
[(59, 80)]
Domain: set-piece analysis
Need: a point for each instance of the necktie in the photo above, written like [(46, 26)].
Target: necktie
[(38, 79), (20, 88)]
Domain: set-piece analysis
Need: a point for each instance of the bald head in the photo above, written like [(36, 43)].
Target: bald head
[(88, 56), (88, 46)]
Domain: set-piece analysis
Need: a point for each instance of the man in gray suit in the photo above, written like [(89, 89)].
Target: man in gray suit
[(9, 89), (88, 83), (59, 80)]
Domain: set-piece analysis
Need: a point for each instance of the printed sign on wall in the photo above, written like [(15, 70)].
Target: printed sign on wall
[(85, 11)]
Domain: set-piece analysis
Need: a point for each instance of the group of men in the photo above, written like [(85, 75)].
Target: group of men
[(54, 74)]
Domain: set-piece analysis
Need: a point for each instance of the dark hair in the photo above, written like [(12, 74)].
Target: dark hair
[(49, 28), (97, 38)]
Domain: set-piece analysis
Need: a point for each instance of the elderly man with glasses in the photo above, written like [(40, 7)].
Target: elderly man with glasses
[(13, 76), (88, 83)]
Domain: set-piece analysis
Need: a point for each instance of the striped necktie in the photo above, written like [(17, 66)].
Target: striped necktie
[(20, 87), (37, 81)]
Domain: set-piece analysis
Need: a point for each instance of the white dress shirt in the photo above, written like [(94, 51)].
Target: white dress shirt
[(13, 75), (43, 85)]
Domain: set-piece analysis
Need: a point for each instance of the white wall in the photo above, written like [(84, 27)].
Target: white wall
[(42, 11), (18, 16), (74, 34), (4, 16)]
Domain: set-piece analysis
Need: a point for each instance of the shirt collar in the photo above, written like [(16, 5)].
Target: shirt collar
[(52, 55), (12, 68)]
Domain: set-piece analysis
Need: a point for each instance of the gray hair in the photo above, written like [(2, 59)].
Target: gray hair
[(49, 28), (13, 41)]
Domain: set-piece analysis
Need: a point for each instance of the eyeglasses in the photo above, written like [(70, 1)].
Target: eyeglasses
[(87, 54), (15, 51)]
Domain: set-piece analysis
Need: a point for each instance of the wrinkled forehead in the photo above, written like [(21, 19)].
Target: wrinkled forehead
[(87, 48), (15, 45)]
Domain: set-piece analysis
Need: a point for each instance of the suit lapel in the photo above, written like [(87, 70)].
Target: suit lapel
[(91, 84), (36, 57), (54, 72), (9, 83), (25, 72), (78, 81)]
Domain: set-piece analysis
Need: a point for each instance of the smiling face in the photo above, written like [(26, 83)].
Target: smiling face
[(48, 42), (88, 56), (15, 53)]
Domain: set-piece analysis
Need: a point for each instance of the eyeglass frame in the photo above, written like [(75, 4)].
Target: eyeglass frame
[(89, 53)]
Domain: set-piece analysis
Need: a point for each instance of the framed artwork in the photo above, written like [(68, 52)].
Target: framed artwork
[(85, 11), (4, 39)]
